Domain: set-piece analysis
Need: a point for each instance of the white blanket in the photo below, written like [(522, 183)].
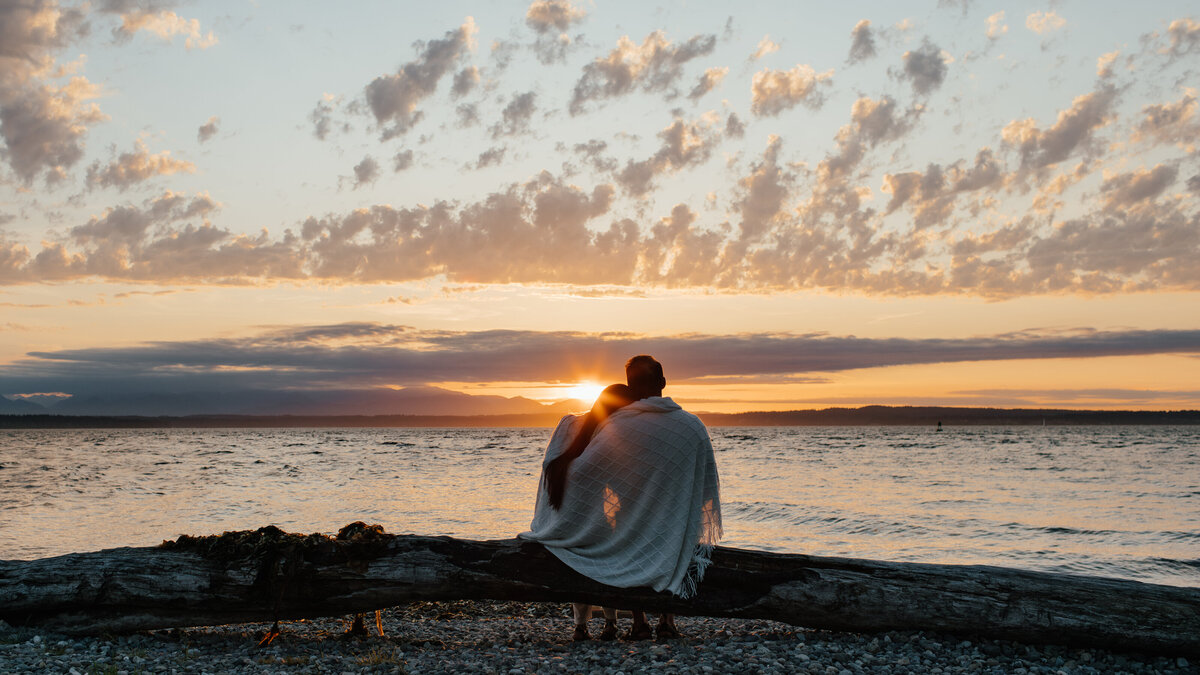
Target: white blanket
[(642, 504)]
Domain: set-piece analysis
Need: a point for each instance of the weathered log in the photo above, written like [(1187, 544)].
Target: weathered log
[(268, 575)]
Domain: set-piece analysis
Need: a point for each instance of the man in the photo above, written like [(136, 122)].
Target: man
[(641, 505)]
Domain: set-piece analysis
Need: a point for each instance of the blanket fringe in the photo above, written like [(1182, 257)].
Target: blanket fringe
[(701, 559)]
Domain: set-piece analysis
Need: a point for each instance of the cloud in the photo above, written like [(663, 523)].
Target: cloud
[(1185, 37), (547, 16), (931, 194), (367, 355), (465, 81), (164, 24), (43, 127), (1177, 122), (468, 115), (32, 30), (774, 91), (551, 19), (365, 172), (996, 26), (862, 43), (678, 253), (208, 129), (393, 98), (322, 117), (763, 194), (532, 232), (1044, 22), (1104, 63), (765, 46), (43, 120), (872, 122), (1142, 246), (1128, 189), (708, 81), (684, 144), (402, 161), (491, 157), (131, 168), (734, 128), (1073, 130), (655, 66), (168, 238), (925, 68), (595, 154), (514, 119)]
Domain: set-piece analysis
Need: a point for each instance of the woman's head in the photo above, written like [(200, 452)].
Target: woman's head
[(613, 397)]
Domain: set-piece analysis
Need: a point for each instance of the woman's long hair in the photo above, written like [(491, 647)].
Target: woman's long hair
[(614, 397)]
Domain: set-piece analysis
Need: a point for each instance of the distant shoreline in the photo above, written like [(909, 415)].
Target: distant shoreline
[(864, 416)]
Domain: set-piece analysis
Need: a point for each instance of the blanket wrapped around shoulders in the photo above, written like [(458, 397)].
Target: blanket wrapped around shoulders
[(642, 504)]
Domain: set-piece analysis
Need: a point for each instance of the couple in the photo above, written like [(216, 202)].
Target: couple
[(629, 496)]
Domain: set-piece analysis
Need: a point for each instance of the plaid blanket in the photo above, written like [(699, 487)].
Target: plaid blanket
[(642, 504)]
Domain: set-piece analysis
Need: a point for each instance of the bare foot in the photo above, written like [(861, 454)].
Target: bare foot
[(639, 631), (667, 630)]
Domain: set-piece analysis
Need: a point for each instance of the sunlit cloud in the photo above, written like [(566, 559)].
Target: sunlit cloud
[(131, 168), (996, 26), (208, 129), (765, 46), (654, 66), (551, 19), (165, 25), (1044, 22), (708, 81), (862, 42), (774, 91)]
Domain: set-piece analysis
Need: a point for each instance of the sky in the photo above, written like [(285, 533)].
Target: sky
[(791, 204)]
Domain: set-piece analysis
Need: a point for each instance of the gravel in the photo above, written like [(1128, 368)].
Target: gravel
[(510, 638)]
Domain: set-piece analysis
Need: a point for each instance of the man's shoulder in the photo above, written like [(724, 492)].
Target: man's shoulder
[(683, 418), (685, 415)]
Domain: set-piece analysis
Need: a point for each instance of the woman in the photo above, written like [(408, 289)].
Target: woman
[(554, 481)]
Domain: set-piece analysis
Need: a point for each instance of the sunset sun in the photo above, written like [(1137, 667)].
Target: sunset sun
[(586, 391)]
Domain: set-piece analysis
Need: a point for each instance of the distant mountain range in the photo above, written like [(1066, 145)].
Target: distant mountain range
[(406, 401)]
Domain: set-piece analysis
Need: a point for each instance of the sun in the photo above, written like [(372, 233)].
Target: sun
[(584, 391)]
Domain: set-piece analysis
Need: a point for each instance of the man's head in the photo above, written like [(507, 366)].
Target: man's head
[(645, 376)]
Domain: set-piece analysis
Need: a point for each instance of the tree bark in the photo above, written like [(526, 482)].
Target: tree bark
[(268, 575)]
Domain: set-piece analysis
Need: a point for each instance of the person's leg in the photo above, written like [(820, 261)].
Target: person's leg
[(610, 624), (667, 630), (641, 628), (582, 611)]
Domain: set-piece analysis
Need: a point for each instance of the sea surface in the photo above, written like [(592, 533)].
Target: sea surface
[(1120, 501)]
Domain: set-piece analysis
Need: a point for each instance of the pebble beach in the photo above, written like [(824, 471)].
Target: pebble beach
[(517, 637)]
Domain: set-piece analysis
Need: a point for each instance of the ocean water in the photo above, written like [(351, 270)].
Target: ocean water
[(1107, 501)]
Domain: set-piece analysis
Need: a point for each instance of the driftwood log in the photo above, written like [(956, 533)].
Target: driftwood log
[(268, 575)]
